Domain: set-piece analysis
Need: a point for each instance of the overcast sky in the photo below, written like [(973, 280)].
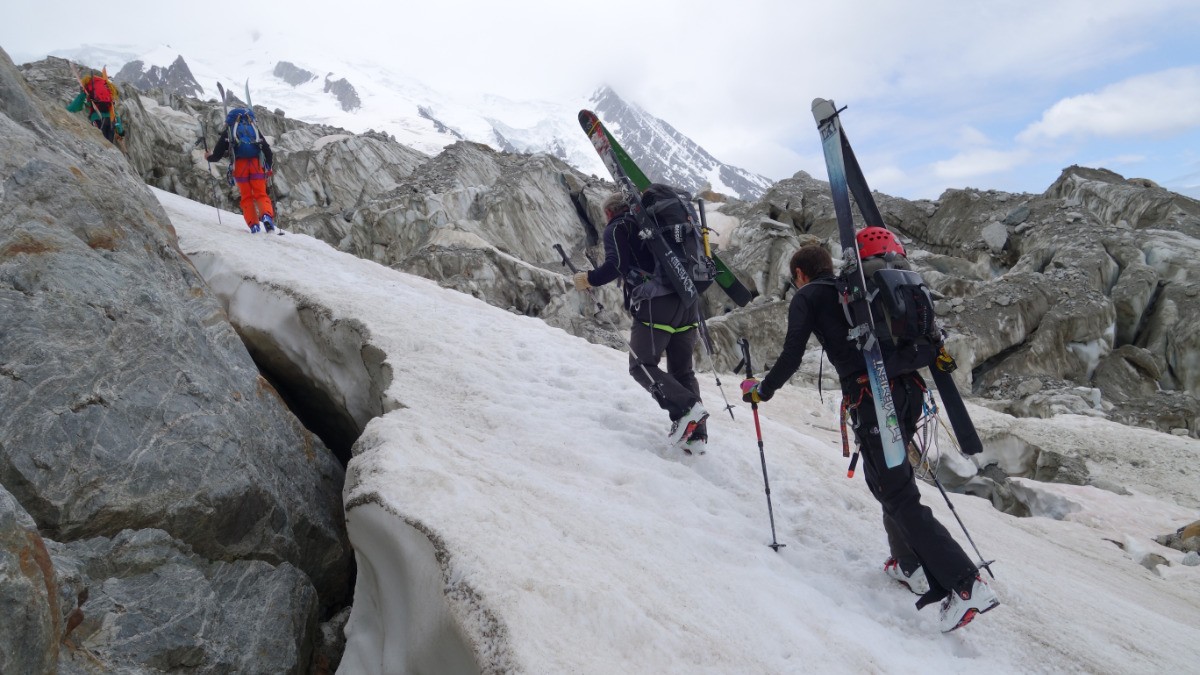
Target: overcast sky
[(941, 93)]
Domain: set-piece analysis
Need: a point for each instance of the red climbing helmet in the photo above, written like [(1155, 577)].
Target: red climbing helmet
[(876, 240)]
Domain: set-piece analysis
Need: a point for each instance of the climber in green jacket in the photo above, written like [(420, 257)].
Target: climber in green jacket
[(100, 97)]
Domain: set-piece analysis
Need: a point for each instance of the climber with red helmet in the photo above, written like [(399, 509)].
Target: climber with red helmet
[(924, 558)]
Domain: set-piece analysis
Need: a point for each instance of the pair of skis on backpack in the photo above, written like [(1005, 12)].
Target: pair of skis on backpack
[(846, 179), (632, 182)]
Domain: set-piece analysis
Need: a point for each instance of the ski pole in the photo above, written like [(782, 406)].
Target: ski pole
[(212, 178), (655, 386), (745, 345), (931, 409), (708, 350), (985, 564)]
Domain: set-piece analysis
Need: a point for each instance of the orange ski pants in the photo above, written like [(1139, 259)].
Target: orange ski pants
[(251, 181)]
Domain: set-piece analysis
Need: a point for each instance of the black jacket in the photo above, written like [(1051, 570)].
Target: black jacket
[(624, 252), (816, 309)]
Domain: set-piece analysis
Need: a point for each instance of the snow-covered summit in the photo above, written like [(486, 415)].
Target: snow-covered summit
[(666, 155)]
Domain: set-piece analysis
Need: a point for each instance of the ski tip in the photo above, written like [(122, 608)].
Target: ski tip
[(588, 120), (823, 109)]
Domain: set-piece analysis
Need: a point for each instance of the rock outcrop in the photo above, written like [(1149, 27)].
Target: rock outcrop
[(175, 79), (33, 621), (1082, 299), (135, 418), (143, 600), (293, 74), (344, 92)]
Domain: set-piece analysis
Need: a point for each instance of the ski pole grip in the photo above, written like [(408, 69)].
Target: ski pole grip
[(745, 345), (566, 261)]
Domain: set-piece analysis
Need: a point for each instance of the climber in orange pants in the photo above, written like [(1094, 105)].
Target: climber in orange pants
[(252, 158)]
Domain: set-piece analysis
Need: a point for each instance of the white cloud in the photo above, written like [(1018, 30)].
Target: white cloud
[(1157, 103), (882, 177), (970, 136), (979, 162), (1119, 160)]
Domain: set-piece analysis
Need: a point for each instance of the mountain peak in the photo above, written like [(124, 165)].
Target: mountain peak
[(176, 78), (667, 156)]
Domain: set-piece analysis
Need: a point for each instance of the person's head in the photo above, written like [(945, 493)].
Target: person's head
[(615, 205), (810, 262)]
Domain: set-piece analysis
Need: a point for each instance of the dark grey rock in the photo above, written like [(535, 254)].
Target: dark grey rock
[(293, 74), (441, 127), (1017, 216), (175, 79), (151, 603), (332, 643), (32, 624), (129, 400), (344, 92)]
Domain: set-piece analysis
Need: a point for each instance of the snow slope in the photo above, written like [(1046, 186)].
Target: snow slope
[(568, 539)]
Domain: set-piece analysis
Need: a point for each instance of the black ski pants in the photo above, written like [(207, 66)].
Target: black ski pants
[(913, 531), (105, 123), (668, 332)]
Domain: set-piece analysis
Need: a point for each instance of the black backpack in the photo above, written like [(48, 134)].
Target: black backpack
[(671, 214), (901, 308)]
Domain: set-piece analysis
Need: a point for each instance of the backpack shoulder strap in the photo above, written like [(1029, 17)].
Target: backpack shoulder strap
[(842, 287)]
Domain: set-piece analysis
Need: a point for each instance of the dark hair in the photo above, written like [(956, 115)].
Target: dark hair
[(813, 260)]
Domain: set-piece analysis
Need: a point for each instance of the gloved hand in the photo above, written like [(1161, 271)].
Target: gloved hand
[(581, 281), (750, 393)]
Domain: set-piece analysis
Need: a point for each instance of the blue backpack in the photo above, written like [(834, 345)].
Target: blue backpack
[(243, 134)]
